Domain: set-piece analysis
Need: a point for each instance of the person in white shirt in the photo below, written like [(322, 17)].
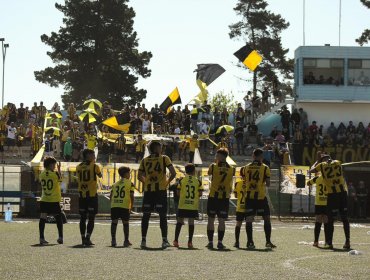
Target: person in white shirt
[(11, 137), (145, 127)]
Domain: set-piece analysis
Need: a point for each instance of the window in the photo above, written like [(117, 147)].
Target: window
[(321, 71), (359, 72)]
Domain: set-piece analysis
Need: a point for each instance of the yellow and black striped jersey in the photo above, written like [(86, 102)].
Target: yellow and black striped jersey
[(222, 180), (121, 194), (190, 188), (332, 174), (255, 174), (50, 184), (87, 174), (321, 197)]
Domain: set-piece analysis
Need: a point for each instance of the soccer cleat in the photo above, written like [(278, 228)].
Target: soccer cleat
[(220, 246), (165, 244), (88, 242), (190, 245), (60, 240), (175, 244), (127, 243), (43, 241), (210, 245), (328, 246), (270, 245), (250, 245), (315, 244), (347, 245), (143, 244), (236, 244), (114, 242)]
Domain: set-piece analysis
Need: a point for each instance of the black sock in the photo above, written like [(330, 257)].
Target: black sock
[(42, 227), (330, 227), (346, 228), (237, 233), (113, 230), (145, 225), (267, 228), (126, 231), (249, 230), (317, 231), (83, 227), (177, 231), (326, 231), (59, 220), (221, 234), (191, 233), (90, 227), (163, 225), (210, 235)]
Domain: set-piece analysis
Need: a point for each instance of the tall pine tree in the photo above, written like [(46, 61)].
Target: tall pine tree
[(95, 53), (365, 36), (262, 29)]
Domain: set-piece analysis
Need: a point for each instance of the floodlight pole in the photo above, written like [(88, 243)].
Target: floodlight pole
[(3, 49)]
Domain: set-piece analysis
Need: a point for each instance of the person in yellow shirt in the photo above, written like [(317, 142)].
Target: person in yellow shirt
[(321, 199), (152, 173), (240, 191), (140, 145), (189, 190), (219, 195), (193, 144), (87, 173), (222, 144), (257, 175), (120, 147), (122, 199), (50, 198), (332, 173), (183, 147), (91, 141)]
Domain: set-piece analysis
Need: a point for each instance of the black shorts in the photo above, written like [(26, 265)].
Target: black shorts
[(88, 205), (321, 210), (120, 152), (184, 213), (240, 216), (255, 207), (10, 142), (119, 213), (155, 201), (50, 207), (218, 206), (337, 203)]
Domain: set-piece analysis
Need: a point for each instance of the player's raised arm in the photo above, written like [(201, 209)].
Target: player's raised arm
[(172, 173)]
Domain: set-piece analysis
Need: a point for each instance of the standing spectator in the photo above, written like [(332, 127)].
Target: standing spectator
[(120, 146), (36, 144), (285, 117), (193, 144), (140, 144), (248, 105), (332, 132), (105, 151), (352, 200), (145, 124), (11, 138), (21, 114), (67, 150), (295, 118), (303, 119), (56, 108), (48, 146), (240, 115), (362, 195), (239, 134), (71, 111), (41, 113), (76, 149), (194, 118), (2, 144)]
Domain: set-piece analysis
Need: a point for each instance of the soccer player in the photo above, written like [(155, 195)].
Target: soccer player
[(240, 192), (189, 190), (257, 174), (219, 195), (321, 198), (50, 198), (87, 173), (152, 173), (122, 199), (332, 173)]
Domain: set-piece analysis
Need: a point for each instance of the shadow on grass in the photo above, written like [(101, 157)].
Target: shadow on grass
[(264, 250), (188, 249), (39, 245), (150, 249), (219, 250), (80, 246), (119, 247)]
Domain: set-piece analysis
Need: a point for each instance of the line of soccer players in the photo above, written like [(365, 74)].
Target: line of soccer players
[(250, 192)]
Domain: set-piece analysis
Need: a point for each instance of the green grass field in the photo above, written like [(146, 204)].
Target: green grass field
[(22, 258)]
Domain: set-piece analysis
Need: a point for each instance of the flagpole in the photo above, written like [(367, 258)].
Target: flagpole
[(340, 20), (304, 22)]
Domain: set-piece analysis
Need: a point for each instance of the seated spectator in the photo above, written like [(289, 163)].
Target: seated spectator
[(280, 138)]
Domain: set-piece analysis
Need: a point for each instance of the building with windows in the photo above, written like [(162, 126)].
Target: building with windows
[(332, 84)]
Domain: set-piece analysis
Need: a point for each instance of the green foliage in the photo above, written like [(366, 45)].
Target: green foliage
[(95, 53), (262, 30), (221, 100), (365, 36)]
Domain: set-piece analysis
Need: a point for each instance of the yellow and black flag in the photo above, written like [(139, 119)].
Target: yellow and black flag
[(172, 99), (206, 74), (118, 122), (249, 57)]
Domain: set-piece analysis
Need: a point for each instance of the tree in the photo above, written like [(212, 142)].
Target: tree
[(221, 100), (365, 36), (95, 53), (261, 29)]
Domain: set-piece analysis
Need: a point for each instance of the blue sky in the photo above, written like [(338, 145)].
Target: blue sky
[(179, 33)]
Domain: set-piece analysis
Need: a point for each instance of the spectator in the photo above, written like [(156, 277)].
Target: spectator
[(120, 146), (67, 150), (332, 131), (362, 195), (11, 137), (139, 144), (352, 200), (285, 117), (193, 144), (303, 119), (48, 146), (239, 135)]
